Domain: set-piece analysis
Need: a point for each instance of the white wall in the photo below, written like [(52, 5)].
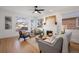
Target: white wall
[(71, 14), (75, 35), (12, 32)]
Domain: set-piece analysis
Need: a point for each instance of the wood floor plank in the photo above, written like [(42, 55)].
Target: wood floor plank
[(13, 45)]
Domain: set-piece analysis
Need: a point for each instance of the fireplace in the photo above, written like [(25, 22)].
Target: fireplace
[(49, 33)]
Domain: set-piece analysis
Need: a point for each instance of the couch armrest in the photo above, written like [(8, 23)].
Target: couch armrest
[(54, 47), (47, 43)]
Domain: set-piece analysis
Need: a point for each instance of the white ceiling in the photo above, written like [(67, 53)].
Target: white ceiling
[(28, 10)]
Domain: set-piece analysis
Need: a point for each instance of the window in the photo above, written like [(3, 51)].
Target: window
[(77, 22), (71, 23), (22, 23)]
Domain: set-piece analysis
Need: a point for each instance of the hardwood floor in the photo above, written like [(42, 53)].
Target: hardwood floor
[(74, 47), (13, 45)]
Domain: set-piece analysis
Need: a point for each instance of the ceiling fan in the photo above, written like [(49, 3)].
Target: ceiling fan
[(36, 10)]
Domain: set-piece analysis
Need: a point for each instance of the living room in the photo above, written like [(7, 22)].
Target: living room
[(51, 22)]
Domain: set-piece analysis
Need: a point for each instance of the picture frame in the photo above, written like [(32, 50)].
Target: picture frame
[(8, 22)]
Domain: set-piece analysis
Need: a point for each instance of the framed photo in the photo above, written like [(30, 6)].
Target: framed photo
[(8, 22)]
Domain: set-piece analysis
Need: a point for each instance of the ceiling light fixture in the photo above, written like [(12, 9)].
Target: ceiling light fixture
[(35, 12)]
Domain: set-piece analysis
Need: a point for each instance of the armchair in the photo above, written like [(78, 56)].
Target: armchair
[(46, 47)]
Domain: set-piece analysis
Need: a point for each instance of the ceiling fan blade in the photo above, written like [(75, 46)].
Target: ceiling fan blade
[(40, 9), (39, 12), (36, 10)]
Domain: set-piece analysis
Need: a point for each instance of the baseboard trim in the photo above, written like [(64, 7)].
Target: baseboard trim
[(9, 37)]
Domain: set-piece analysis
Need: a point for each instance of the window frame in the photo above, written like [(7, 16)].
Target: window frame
[(77, 21)]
